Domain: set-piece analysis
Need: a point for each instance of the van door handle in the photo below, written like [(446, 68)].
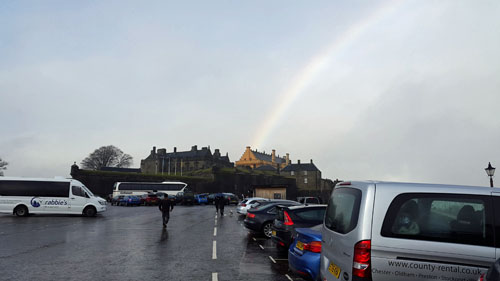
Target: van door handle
[(72, 197)]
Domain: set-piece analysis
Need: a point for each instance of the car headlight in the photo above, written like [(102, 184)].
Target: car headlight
[(102, 202)]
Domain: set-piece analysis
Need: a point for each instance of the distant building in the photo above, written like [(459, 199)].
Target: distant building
[(255, 159), (177, 162), (307, 175)]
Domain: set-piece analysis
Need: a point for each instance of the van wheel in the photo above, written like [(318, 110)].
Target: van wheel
[(21, 211), (89, 212), (267, 229)]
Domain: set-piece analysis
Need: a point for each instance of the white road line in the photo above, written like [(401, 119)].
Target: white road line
[(261, 247), (254, 239), (289, 278), (214, 252), (272, 259), (215, 276), (215, 231)]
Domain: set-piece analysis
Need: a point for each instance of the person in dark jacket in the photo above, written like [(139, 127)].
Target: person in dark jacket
[(221, 203), (165, 207), (216, 203)]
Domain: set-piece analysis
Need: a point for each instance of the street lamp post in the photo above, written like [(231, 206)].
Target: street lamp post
[(490, 171)]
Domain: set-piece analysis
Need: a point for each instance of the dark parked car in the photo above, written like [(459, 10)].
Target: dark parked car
[(304, 254), (493, 273), (289, 218), (231, 198), (260, 219), (211, 198), (184, 198)]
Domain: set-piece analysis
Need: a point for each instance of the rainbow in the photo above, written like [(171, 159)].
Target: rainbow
[(315, 66)]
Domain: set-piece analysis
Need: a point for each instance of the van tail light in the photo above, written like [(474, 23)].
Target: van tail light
[(288, 220), (481, 278), (362, 259), (250, 215), (314, 246)]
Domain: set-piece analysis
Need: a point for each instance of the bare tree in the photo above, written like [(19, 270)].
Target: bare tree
[(3, 166), (107, 156)]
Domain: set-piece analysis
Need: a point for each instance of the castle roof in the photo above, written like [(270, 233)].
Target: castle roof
[(300, 167), (267, 157)]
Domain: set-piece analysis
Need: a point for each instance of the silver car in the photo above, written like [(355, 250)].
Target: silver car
[(248, 203), (382, 231)]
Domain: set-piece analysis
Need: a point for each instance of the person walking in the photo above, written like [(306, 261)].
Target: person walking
[(222, 202), (165, 207), (216, 203)]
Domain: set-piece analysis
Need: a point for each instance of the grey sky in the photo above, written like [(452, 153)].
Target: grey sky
[(403, 90)]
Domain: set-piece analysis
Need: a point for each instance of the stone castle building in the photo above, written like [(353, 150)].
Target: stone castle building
[(177, 162), (307, 175), (260, 160)]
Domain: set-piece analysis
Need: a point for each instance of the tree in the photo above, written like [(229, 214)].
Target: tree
[(107, 156), (3, 166)]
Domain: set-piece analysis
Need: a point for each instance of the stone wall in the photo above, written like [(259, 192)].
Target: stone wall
[(101, 182)]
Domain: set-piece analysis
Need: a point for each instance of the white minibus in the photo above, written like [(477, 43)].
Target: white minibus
[(139, 188), (24, 196)]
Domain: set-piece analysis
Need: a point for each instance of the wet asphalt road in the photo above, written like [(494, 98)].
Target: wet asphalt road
[(129, 243)]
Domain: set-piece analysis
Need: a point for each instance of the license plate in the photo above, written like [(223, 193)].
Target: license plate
[(274, 232), (334, 270), (300, 246)]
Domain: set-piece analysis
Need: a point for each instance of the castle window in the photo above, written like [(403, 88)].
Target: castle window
[(305, 180), (305, 173), (292, 173)]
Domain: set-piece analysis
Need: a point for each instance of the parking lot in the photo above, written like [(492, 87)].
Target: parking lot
[(129, 243)]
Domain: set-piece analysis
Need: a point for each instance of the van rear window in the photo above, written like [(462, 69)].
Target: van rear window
[(343, 210), (453, 218)]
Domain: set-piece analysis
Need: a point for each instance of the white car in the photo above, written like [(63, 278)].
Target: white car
[(248, 203)]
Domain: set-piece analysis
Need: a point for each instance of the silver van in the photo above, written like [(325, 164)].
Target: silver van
[(383, 231)]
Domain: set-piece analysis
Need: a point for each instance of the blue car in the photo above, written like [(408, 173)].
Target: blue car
[(129, 200), (201, 199), (305, 251)]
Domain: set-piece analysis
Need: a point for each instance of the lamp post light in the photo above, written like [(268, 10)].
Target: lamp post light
[(490, 171)]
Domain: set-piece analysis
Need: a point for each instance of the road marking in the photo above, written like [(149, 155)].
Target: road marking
[(214, 252), (215, 231), (289, 278), (215, 276), (272, 259), (254, 239), (261, 247)]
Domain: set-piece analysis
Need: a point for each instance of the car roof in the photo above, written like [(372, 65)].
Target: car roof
[(306, 206)]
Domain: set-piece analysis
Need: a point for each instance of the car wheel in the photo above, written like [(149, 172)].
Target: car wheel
[(267, 229), (89, 212), (21, 211)]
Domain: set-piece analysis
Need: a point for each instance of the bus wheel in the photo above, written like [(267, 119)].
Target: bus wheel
[(21, 211), (89, 212)]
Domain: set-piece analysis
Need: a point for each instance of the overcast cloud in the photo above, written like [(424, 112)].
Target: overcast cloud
[(413, 94)]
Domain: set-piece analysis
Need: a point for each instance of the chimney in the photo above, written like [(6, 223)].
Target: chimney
[(311, 161), (194, 148), (287, 159), (162, 151), (154, 150), (248, 148), (273, 156), (175, 149), (298, 162)]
